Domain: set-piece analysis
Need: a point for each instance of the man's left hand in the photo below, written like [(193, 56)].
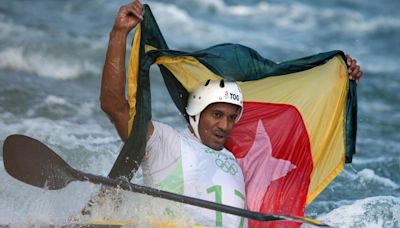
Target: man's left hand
[(355, 72)]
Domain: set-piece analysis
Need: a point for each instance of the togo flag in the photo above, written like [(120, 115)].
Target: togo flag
[(299, 122)]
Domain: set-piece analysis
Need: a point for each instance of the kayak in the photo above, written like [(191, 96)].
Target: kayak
[(108, 224), (154, 223)]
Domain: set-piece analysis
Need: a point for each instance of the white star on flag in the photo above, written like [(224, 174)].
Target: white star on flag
[(260, 157)]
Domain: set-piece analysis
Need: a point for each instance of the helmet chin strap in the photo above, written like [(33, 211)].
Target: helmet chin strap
[(194, 122)]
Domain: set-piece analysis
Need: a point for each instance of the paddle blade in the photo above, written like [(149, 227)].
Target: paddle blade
[(32, 162)]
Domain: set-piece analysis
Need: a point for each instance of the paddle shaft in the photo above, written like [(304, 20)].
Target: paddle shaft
[(181, 198)]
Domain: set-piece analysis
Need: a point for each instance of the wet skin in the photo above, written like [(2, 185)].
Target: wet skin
[(216, 123)]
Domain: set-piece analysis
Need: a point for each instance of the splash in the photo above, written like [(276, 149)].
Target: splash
[(381, 211)]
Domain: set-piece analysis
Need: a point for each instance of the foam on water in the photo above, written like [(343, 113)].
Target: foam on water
[(45, 64), (262, 27), (34, 206), (9, 28), (380, 211), (185, 36), (366, 176), (30, 205), (298, 16), (60, 108), (70, 130)]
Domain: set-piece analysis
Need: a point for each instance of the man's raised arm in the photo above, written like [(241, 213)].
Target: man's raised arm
[(112, 95)]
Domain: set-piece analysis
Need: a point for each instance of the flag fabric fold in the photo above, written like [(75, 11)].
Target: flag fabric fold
[(299, 122)]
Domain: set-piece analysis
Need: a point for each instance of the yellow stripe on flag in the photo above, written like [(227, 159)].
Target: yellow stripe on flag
[(188, 70), (133, 70)]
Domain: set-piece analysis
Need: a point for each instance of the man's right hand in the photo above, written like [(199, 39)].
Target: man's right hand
[(129, 16)]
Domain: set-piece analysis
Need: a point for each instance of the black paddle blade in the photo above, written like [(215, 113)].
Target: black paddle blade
[(32, 162)]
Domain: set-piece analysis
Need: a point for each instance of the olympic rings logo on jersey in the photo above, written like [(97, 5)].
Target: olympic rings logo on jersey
[(227, 166)]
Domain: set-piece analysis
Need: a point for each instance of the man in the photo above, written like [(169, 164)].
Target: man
[(194, 162), (165, 166)]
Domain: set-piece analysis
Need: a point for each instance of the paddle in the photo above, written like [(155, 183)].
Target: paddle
[(32, 162)]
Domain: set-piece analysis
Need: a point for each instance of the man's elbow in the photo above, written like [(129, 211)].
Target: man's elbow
[(117, 117), (106, 105)]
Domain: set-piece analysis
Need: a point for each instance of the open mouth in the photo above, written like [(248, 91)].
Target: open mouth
[(220, 137)]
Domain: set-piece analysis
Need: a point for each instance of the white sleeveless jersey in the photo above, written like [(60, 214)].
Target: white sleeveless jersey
[(198, 171)]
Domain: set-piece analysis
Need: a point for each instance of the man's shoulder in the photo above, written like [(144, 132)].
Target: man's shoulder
[(165, 130), (163, 136), (160, 125)]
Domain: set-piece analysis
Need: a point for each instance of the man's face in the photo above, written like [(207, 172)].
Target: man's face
[(216, 123)]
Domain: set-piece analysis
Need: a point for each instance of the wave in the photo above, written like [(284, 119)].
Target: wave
[(297, 16), (379, 211), (367, 178), (199, 24), (305, 28), (10, 29), (70, 129), (45, 64), (183, 30)]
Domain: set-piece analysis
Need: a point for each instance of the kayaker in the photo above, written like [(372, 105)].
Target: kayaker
[(193, 162)]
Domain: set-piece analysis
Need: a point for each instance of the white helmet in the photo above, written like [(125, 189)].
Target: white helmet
[(209, 93)]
